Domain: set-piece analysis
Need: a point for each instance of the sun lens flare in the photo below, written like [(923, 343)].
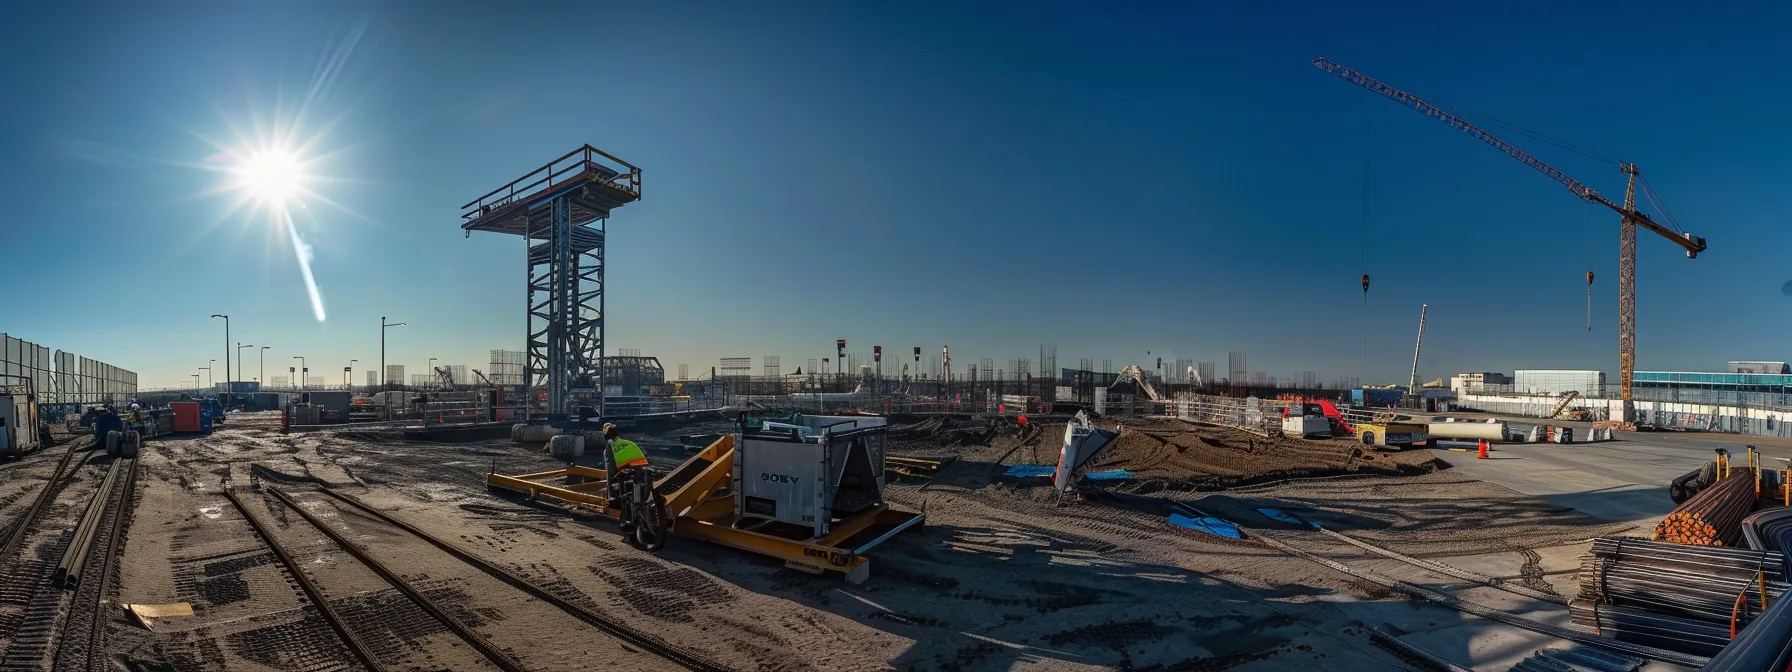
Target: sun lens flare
[(274, 176)]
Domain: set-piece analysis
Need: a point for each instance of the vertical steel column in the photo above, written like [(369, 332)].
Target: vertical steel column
[(563, 306), (1627, 295)]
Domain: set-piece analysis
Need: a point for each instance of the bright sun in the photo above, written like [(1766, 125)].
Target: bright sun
[(273, 176)]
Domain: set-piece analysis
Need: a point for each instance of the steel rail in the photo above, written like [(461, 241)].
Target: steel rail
[(44, 497), (612, 627), (96, 635), (355, 646), (479, 643)]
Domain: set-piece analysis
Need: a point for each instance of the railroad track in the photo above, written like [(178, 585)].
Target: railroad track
[(448, 617), (48, 625)]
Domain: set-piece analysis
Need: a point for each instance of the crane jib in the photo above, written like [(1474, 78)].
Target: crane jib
[(1692, 243)]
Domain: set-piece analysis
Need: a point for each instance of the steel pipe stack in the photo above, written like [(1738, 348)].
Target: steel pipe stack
[(1765, 644), (1673, 596), (1714, 516), (1769, 530), (1637, 626)]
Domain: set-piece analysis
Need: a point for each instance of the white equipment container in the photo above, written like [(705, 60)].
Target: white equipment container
[(19, 408), (794, 475)]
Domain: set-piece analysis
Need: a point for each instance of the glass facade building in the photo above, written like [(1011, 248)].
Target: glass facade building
[(1730, 389)]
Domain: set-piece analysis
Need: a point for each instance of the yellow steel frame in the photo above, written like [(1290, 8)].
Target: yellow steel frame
[(702, 508)]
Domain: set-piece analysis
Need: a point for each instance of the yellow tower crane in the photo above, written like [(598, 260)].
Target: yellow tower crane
[(1629, 218)]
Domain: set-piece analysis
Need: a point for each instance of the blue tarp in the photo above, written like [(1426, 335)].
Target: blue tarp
[(1208, 524), (1278, 515), (1043, 471)]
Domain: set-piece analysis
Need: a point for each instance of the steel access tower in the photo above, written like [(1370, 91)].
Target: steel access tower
[(560, 211)]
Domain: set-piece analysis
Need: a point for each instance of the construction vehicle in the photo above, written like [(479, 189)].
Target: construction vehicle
[(18, 407), (1132, 372), (1306, 420), (445, 378), (1393, 434), (810, 494), (1562, 412), (1629, 218)]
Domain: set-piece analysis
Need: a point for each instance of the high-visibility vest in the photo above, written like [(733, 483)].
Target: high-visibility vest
[(627, 454)]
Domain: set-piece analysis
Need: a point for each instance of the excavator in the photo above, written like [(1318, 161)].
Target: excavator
[(1562, 412), (1133, 372)]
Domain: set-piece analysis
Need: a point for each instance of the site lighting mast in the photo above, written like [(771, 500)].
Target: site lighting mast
[(385, 384), (1629, 218), (302, 370), (264, 364), (348, 374)]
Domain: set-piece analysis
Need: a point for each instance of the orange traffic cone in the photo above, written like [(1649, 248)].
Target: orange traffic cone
[(1483, 453)]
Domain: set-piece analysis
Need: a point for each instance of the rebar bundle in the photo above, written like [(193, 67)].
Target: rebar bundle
[(1714, 516), (1769, 530), (1641, 627), (1672, 596)]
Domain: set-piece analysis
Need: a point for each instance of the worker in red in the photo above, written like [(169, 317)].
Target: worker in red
[(1023, 422)]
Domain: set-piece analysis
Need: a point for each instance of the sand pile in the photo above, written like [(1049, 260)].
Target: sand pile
[(1183, 456)]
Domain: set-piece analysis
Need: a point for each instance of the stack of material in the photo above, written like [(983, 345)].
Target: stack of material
[(1671, 596), (1714, 516), (1769, 530)]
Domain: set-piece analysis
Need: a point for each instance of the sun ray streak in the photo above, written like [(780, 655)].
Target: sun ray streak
[(303, 252)]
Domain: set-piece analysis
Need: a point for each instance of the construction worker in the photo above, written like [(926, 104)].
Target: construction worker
[(621, 462)]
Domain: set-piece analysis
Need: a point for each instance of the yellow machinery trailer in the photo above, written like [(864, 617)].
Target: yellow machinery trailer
[(703, 498)]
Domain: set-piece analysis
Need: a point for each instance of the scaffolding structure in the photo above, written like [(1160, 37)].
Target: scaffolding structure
[(560, 211)]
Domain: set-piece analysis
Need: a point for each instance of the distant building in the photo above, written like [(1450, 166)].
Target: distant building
[(1557, 382), (1759, 367), (1731, 389), (1235, 368), (1478, 381)]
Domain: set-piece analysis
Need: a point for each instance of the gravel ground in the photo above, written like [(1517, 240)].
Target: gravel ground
[(1002, 577)]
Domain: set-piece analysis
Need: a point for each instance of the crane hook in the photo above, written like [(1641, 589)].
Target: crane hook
[(1365, 286)]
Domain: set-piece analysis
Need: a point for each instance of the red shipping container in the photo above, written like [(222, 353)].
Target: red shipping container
[(186, 416)]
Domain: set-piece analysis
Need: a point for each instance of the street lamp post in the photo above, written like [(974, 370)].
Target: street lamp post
[(430, 369), (302, 370), (264, 363), (348, 374), (226, 346), (211, 378), (239, 360), (208, 376), (385, 384), (195, 383)]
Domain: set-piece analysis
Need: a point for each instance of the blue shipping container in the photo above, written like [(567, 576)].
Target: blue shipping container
[(1376, 398), (245, 387)]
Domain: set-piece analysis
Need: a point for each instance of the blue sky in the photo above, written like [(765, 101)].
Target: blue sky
[(1171, 178)]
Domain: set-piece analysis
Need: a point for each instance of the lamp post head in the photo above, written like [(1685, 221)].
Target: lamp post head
[(221, 315)]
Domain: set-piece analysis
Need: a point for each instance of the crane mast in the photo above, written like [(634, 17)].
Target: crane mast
[(1629, 217), (1413, 387)]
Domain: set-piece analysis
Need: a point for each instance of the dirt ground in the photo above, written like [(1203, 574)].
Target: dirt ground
[(1002, 576)]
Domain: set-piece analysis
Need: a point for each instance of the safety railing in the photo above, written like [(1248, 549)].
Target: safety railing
[(574, 164)]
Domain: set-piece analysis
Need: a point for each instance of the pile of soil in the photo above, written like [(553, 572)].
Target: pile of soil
[(1182, 456)]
